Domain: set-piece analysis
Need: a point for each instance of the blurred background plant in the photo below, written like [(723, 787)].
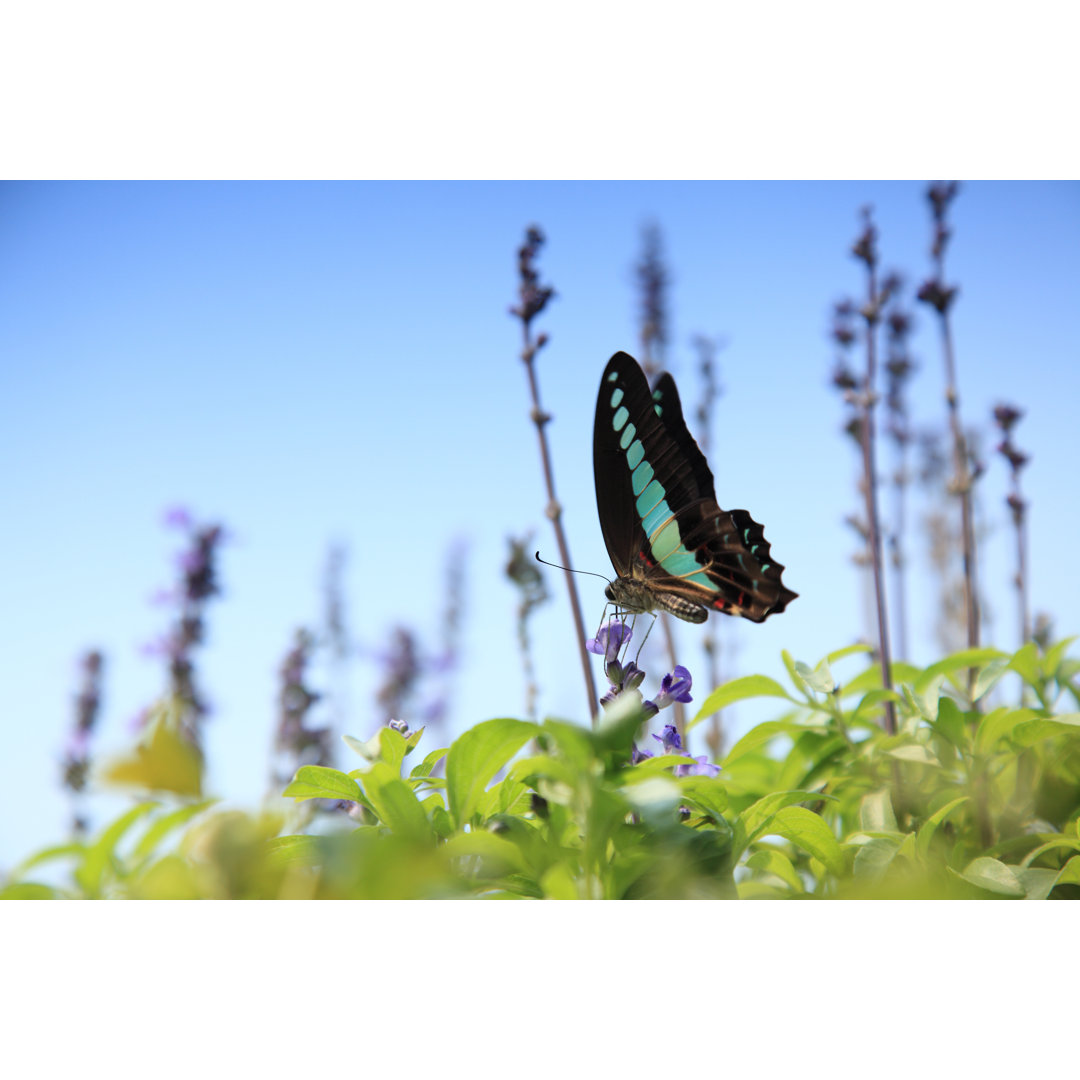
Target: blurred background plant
[(906, 780)]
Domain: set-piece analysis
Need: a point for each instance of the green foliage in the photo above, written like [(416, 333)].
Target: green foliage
[(970, 798)]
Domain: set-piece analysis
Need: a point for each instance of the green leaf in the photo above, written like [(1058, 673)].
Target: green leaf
[(1052, 660), (387, 745), (789, 663), (819, 678), (395, 802), (165, 824), (756, 816), (847, 650), (162, 760), (927, 695), (870, 678), (368, 749), (1025, 662), (617, 724), (559, 883), (544, 766), (807, 830), (771, 861), (573, 741), (707, 792), (655, 798), (1058, 842), (54, 851), (306, 850), (738, 690), (873, 858), (475, 758), (498, 855), (100, 853), (1037, 881), (988, 678), (28, 890), (319, 782), (916, 753), (967, 658), (871, 699), (994, 876), (952, 724), (423, 770), (761, 734), (1030, 732), (997, 725), (1070, 872), (930, 826), (392, 747), (876, 812)]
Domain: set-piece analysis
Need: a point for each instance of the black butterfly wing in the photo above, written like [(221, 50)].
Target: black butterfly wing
[(626, 431), (658, 512), (697, 482)]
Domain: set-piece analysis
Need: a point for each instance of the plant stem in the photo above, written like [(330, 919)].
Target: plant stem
[(653, 279), (940, 296), (534, 298), (707, 349), (1021, 573), (871, 313), (553, 511), (961, 485), (899, 563)]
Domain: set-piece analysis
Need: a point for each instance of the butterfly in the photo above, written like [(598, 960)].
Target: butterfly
[(672, 547)]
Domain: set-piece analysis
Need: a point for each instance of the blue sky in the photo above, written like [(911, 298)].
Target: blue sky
[(321, 363)]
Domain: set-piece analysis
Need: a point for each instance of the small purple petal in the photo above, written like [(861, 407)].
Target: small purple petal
[(671, 739), (610, 640), (637, 756), (674, 687), (633, 676), (177, 517), (701, 767), (677, 685), (192, 562)]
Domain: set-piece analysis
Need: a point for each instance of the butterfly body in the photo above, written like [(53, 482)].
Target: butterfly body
[(673, 548)]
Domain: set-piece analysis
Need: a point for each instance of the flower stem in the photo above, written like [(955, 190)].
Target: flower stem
[(554, 512), (865, 249), (533, 299)]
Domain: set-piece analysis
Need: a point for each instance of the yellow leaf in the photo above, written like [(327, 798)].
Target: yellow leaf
[(163, 761)]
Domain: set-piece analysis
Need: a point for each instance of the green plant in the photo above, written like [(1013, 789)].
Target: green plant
[(804, 807)]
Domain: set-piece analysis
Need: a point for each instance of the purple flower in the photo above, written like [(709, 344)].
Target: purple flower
[(177, 517), (609, 641), (193, 561), (672, 744), (632, 676), (674, 687), (637, 756), (701, 767), (671, 740)]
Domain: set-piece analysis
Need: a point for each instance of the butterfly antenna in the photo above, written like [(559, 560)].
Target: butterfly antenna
[(567, 568)]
